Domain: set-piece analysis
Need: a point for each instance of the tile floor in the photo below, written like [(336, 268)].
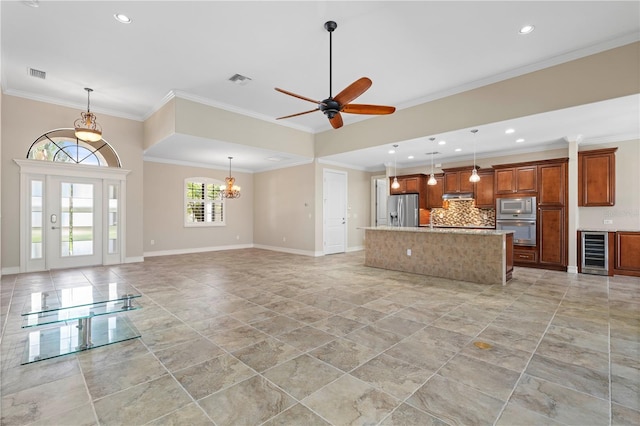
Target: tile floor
[(250, 337)]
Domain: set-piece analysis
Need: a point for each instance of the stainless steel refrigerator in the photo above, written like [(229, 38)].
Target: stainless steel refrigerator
[(403, 210)]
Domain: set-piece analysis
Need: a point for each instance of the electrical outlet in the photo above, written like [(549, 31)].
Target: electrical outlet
[(408, 252), (608, 221), (284, 239), (153, 242)]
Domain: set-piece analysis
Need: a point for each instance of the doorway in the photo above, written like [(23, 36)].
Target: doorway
[(70, 216), (72, 231), (334, 211)]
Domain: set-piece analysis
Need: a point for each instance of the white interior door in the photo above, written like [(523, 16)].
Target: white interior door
[(73, 222), (335, 211)]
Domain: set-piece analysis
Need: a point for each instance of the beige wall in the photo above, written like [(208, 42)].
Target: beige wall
[(285, 209), (192, 118), (625, 214), (161, 124), (607, 75), (23, 121), (164, 215)]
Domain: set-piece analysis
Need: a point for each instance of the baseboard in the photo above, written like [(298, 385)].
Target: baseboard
[(289, 250), (10, 270), (572, 269), (195, 250), (356, 248), (135, 259)]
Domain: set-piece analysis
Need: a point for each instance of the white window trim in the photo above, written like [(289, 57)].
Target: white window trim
[(206, 181)]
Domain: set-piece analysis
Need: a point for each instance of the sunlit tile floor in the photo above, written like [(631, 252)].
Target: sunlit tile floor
[(250, 337)]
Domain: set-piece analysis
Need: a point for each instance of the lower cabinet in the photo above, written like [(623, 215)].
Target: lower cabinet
[(525, 256), (551, 226), (627, 259)]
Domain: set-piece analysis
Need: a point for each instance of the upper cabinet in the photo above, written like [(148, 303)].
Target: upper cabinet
[(552, 179), (597, 177), (457, 180), (515, 179), (435, 192), (484, 191), (409, 184)]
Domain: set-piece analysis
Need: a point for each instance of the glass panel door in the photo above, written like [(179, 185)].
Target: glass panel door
[(74, 222)]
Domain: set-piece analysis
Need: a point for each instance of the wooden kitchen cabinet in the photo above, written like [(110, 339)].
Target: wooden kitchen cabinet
[(484, 189), (551, 237), (627, 259), (552, 178), (435, 192), (597, 177), (409, 184), (525, 256), (514, 179), (457, 180)]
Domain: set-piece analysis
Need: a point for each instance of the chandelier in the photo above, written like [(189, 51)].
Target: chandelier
[(87, 128), (230, 190)]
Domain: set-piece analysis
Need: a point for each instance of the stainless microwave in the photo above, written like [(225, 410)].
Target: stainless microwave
[(516, 208)]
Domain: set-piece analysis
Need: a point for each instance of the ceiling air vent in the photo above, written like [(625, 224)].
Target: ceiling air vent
[(37, 73), (240, 80)]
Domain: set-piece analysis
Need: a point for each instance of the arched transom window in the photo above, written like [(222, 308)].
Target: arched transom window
[(61, 145)]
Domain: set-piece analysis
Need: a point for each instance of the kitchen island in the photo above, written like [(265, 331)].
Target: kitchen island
[(482, 256)]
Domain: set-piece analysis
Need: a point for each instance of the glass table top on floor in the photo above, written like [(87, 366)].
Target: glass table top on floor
[(82, 317)]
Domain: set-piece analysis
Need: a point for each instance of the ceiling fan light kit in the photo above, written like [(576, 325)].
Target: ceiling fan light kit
[(333, 106)]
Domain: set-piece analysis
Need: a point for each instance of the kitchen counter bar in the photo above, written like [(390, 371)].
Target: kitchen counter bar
[(477, 255)]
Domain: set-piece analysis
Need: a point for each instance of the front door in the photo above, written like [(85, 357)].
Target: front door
[(335, 211), (73, 222)]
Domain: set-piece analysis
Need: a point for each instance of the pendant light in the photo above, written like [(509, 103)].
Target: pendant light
[(231, 190), (475, 177), (432, 178), (395, 184), (87, 128)]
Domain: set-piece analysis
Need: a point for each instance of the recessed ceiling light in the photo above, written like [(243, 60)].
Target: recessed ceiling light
[(527, 29), (122, 18), (392, 151), (519, 140), (509, 131), (458, 149), (410, 157), (442, 143)]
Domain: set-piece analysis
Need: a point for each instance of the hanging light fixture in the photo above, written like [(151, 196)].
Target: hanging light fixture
[(87, 128), (475, 177), (395, 184), (230, 190), (432, 178)]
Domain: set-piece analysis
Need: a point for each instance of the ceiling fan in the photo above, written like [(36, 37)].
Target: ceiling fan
[(332, 107)]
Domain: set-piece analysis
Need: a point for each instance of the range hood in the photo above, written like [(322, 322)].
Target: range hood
[(462, 196)]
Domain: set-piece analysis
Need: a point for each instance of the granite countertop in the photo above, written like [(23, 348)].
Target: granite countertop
[(471, 231), (607, 230), (460, 227)]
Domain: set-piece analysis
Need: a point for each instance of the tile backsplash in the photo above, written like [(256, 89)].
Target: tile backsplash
[(463, 213)]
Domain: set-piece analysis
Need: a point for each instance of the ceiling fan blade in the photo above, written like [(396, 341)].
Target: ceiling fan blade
[(353, 90), (336, 121), (298, 96), (368, 109), (300, 113)]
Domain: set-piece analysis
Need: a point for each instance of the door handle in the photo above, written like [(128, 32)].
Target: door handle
[(55, 227)]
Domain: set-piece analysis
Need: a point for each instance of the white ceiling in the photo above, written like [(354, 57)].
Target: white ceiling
[(413, 51)]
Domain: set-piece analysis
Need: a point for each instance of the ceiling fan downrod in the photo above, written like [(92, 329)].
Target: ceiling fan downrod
[(330, 26)]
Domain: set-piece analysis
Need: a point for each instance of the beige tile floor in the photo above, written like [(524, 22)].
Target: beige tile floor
[(252, 337)]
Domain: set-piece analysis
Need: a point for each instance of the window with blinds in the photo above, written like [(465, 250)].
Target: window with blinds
[(204, 205)]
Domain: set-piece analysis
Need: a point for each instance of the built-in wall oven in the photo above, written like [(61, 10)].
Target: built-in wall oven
[(518, 215)]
